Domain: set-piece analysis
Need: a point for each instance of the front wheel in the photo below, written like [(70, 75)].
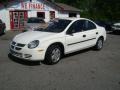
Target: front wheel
[(99, 44), (53, 55), (2, 32)]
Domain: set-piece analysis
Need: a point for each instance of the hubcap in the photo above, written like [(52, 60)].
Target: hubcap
[(100, 44), (55, 55)]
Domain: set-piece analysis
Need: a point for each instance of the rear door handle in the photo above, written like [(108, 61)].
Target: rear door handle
[(84, 35), (96, 32)]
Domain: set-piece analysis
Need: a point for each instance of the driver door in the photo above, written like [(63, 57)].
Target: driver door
[(74, 36)]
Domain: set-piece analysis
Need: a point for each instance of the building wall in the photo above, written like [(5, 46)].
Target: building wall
[(63, 14), (78, 15), (32, 14), (47, 16), (5, 15)]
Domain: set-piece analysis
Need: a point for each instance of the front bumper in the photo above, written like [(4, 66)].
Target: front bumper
[(29, 54)]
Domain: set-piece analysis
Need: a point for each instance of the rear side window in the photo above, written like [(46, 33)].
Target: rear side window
[(88, 25)]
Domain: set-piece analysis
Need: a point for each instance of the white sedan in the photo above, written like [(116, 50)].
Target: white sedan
[(61, 37)]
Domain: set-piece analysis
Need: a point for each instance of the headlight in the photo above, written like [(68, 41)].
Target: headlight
[(33, 44)]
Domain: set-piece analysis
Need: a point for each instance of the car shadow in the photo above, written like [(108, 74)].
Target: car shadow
[(2, 34), (72, 54), (23, 62), (35, 63)]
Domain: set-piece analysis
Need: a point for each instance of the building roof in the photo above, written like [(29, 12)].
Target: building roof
[(66, 7), (58, 6), (73, 18)]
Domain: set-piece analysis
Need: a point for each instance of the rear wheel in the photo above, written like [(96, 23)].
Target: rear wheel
[(99, 44), (53, 55)]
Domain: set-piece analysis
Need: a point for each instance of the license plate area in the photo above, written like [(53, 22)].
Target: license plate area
[(15, 53)]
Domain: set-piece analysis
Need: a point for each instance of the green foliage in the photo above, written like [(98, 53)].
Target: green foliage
[(2, 1), (97, 9)]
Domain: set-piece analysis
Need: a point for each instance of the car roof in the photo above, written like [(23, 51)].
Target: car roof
[(73, 18)]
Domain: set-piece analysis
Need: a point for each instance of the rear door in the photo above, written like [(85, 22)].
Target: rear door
[(90, 32)]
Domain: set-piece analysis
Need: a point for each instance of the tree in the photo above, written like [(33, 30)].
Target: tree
[(97, 9)]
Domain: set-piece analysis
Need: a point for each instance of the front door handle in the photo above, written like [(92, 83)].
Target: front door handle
[(84, 35)]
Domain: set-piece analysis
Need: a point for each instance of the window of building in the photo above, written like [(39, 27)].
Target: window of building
[(72, 15), (52, 14), (41, 15)]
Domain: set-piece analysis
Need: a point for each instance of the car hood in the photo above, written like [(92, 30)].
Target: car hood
[(29, 36), (32, 26)]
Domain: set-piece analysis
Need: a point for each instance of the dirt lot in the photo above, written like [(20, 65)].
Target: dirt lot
[(84, 70)]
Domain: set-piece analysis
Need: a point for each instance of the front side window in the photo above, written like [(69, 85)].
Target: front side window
[(76, 27)]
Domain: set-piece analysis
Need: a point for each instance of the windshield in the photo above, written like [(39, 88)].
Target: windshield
[(56, 26), (35, 20)]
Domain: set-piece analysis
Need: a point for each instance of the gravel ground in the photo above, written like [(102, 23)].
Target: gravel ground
[(84, 70)]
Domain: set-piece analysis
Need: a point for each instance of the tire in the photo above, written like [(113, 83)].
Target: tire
[(53, 55), (99, 44)]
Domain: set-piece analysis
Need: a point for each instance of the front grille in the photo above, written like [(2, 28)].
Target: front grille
[(16, 53), (12, 46), (17, 46), (13, 43), (20, 45)]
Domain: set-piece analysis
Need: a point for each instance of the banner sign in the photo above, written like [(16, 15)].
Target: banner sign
[(32, 6)]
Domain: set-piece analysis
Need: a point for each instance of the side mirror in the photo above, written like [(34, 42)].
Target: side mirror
[(70, 32)]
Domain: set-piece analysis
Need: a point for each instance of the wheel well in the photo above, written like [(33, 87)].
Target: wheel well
[(60, 45), (101, 37)]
